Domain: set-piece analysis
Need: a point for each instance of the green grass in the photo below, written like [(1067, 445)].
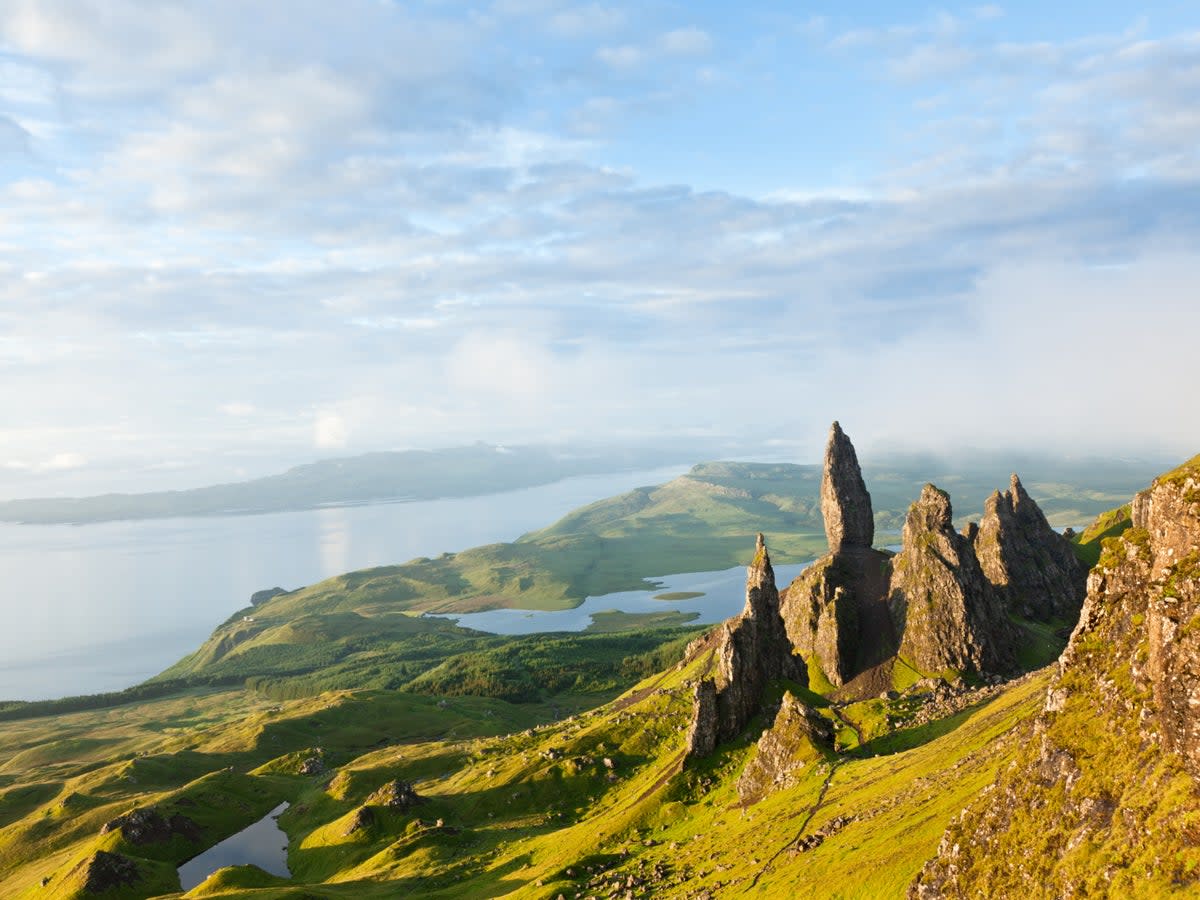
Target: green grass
[(1088, 544)]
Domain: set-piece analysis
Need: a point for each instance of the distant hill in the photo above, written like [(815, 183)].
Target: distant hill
[(370, 478)]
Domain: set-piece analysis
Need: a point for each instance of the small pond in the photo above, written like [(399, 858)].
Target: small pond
[(262, 844)]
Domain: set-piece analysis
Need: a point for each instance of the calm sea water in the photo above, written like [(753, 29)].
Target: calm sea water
[(95, 608)]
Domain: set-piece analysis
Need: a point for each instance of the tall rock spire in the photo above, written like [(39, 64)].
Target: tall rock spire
[(845, 503), (836, 609)]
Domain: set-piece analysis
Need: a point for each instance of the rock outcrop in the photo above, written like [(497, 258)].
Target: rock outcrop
[(396, 795), (845, 503), (104, 872), (704, 728), (259, 597), (753, 649), (1104, 793), (1032, 567), (149, 826), (835, 610), (749, 651), (799, 737), (950, 616)]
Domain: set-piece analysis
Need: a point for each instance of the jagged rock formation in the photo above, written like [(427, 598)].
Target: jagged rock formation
[(396, 794), (749, 651), (1030, 564), (798, 737), (854, 609), (949, 614), (1103, 797), (149, 826), (753, 649), (845, 503), (835, 609)]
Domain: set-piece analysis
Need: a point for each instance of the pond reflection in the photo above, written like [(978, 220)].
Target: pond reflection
[(262, 844)]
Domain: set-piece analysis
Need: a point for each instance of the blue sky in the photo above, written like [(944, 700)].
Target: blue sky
[(240, 235)]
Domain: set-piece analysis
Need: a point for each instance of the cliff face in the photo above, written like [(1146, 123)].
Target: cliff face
[(1104, 797), (948, 612), (1032, 567)]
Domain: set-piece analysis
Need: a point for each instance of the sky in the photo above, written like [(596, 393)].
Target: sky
[(239, 235)]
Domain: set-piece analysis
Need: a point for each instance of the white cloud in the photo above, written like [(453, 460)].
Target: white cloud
[(292, 242), (113, 38), (329, 431), (690, 41), (622, 57), (59, 462)]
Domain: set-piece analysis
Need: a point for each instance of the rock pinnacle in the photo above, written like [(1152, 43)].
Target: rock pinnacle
[(845, 503)]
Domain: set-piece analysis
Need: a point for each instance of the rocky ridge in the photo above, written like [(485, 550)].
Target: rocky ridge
[(1104, 796), (937, 604)]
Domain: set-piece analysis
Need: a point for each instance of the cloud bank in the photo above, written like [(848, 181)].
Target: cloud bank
[(228, 244)]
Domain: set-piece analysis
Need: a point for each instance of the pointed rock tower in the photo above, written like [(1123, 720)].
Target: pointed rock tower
[(949, 613), (845, 503), (750, 651), (835, 610), (1029, 563)]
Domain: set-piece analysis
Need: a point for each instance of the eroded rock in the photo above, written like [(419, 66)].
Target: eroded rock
[(1032, 567), (1107, 779), (753, 649), (396, 794), (799, 737), (948, 613), (104, 871), (149, 826), (845, 503)]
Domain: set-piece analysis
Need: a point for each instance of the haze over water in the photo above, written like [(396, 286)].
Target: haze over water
[(101, 607)]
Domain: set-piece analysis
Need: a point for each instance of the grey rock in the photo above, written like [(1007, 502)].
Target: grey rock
[(947, 612), (1031, 565), (798, 737), (845, 503)]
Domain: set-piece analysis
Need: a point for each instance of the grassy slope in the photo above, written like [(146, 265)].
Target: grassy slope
[(63, 778), (538, 813)]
